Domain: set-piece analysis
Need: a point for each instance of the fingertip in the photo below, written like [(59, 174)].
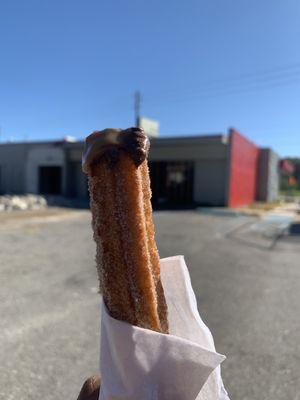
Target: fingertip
[(90, 389)]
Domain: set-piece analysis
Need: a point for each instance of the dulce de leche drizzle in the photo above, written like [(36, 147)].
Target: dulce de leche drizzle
[(132, 140)]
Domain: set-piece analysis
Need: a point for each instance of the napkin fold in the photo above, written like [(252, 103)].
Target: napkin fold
[(140, 364)]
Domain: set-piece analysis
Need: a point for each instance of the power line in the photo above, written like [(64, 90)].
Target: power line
[(218, 92), (262, 75), (253, 81)]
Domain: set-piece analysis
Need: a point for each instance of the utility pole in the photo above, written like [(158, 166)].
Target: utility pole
[(137, 107)]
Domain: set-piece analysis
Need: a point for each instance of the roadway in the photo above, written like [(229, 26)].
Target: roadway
[(246, 279)]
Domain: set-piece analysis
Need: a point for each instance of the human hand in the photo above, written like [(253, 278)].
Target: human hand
[(90, 389)]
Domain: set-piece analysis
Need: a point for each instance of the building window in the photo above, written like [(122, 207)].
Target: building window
[(172, 183)]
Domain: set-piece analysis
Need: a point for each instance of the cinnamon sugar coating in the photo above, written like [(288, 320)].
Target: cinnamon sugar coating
[(127, 257)]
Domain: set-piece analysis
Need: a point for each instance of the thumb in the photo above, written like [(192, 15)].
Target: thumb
[(90, 389)]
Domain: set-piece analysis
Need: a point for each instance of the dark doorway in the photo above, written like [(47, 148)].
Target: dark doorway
[(50, 180), (172, 183)]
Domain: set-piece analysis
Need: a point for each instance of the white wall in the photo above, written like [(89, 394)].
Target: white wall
[(43, 156)]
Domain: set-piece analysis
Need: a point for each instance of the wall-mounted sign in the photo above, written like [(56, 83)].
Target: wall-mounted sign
[(150, 126)]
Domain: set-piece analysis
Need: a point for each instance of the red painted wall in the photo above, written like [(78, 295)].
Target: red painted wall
[(243, 158)]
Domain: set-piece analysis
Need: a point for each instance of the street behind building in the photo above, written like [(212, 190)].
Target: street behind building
[(245, 273)]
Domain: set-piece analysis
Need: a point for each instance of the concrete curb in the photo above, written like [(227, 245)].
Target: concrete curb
[(230, 212)]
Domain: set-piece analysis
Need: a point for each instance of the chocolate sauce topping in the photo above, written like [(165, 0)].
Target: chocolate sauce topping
[(132, 140)]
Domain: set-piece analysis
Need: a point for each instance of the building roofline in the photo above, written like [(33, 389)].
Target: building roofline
[(165, 140), (36, 142), (195, 139)]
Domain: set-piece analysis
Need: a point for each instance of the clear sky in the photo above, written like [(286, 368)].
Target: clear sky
[(68, 67)]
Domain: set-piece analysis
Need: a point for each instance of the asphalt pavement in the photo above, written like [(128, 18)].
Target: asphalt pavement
[(246, 279)]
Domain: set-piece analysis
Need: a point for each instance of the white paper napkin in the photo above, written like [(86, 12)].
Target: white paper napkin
[(139, 364)]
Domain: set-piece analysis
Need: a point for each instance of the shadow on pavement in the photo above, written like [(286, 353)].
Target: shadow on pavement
[(264, 239)]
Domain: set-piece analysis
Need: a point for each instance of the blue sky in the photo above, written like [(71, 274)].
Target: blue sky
[(69, 67)]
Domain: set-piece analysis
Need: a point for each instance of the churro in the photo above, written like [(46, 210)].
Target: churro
[(127, 258)]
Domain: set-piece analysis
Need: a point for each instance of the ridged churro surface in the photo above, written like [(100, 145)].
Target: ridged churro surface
[(127, 257)]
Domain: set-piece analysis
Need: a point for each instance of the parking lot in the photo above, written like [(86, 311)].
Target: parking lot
[(245, 274)]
